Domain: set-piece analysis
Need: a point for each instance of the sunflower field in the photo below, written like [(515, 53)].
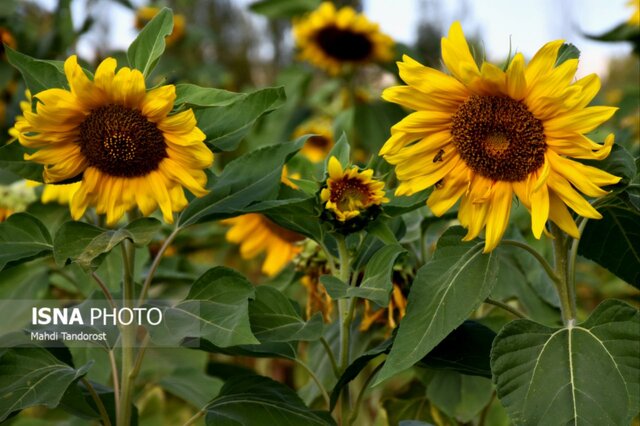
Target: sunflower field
[(274, 213)]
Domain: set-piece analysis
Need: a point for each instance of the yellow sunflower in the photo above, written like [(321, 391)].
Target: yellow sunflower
[(484, 135), (350, 192), (319, 145), (256, 234), (146, 14), (635, 15), (119, 139), (61, 194), (334, 39)]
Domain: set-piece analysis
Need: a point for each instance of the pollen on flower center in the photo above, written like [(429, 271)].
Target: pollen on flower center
[(344, 45), (498, 137), (349, 190), (120, 141)]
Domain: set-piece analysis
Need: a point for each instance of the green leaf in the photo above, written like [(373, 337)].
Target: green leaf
[(252, 400), (465, 350), (614, 240), (20, 287), (285, 350), (274, 318), (622, 32), (446, 290), (401, 205), (341, 150), (458, 395), (376, 284), (251, 178), (23, 238), (12, 159), (283, 8), (584, 374), (32, 376), (38, 74), (567, 51), (192, 385), (87, 245), (373, 122), (216, 309), (226, 125), (194, 96), (381, 230), (145, 51)]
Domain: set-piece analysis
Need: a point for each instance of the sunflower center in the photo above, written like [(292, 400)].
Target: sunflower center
[(120, 141), (348, 193), (498, 137), (319, 142), (344, 44)]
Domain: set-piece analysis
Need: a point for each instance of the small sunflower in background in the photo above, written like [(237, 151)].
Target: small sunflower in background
[(119, 140), (484, 135), (318, 146), (257, 234), (334, 39), (350, 193), (146, 14), (6, 38)]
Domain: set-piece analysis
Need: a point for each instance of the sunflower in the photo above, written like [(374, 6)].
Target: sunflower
[(146, 14), (61, 194), (334, 39), (634, 20), (485, 135), (25, 105), (319, 145), (119, 140), (255, 233), (348, 193)]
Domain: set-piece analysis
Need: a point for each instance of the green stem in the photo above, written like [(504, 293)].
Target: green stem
[(505, 306), (195, 418), (564, 286), (573, 254), (155, 264), (345, 323), (101, 408), (128, 336), (104, 289), (356, 407), (323, 391), (331, 356), (541, 260), (116, 381)]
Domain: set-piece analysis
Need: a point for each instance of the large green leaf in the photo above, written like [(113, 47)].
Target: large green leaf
[(216, 309), (446, 290), (458, 395), (37, 73), (225, 125), (274, 318), (145, 51), (192, 385), (23, 238), (87, 245), (587, 374), (12, 159), (283, 8), (247, 180), (614, 241), (33, 376), (373, 122), (20, 287), (255, 400)]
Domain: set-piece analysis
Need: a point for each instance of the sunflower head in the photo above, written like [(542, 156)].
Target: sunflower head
[(334, 39), (481, 134), (146, 14), (119, 140), (319, 145), (351, 197)]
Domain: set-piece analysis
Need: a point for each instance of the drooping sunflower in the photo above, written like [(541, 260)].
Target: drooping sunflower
[(119, 139), (318, 146), (350, 192), (390, 316), (146, 14), (484, 134), (334, 39)]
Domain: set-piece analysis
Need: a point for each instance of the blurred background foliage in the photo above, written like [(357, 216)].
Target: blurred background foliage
[(229, 45)]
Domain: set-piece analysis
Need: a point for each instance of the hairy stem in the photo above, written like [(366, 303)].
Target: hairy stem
[(564, 287)]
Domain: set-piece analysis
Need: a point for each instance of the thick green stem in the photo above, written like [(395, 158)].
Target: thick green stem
[(128, 336), (565, 286), (345, 323)]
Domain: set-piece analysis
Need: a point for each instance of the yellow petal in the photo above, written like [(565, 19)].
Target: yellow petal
[(516, 82), (498, 215), (573, 199), (539, 210), (457, 56), (542, 62), (334, 168), (559, 214)]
